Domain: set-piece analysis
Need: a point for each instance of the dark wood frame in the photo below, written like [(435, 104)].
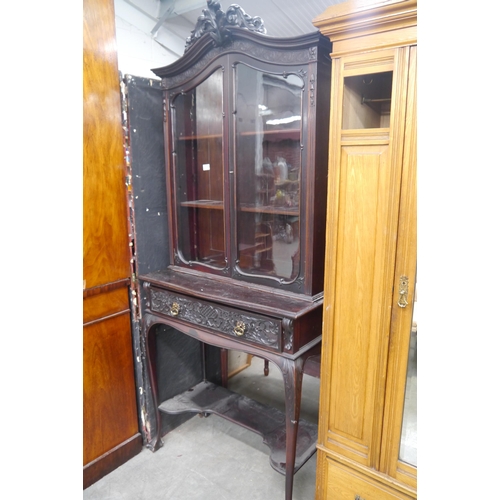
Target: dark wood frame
[(306, 320), (306, 55), (280, 322)]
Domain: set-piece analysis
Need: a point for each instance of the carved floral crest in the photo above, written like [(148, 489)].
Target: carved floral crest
[(214, 21)]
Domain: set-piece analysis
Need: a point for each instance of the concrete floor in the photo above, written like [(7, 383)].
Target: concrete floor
[(213, 459)]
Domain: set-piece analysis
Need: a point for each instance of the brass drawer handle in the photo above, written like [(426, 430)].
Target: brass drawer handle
[(239, 329), (174, 309)]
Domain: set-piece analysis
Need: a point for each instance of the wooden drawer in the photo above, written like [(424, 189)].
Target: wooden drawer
[(346, 484), (249, 328)]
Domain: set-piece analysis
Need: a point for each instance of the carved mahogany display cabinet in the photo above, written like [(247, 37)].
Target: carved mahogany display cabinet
[(239, 244)]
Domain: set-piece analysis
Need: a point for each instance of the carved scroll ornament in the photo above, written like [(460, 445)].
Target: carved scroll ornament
[(220, 319), (214, 21)]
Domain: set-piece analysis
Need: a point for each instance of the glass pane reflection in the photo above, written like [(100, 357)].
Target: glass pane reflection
[(198, 162), (408, 446), (268, 170)]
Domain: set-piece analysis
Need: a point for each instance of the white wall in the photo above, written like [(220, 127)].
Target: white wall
[(138, 50)]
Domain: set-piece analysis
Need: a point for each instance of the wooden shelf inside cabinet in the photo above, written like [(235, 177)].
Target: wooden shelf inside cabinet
[(257, 248), (266, 421), (275, 135), (270, 209), (199, 137), (211, 204)]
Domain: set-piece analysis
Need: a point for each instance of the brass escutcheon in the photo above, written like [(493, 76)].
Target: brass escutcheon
[(174, 310), (239, 329), (403, 291)]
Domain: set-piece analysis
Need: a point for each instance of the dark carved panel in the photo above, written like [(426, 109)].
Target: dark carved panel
[(260, 330), (247, 47), (271, 55), (192, 71), (214, 21), (288, 333)]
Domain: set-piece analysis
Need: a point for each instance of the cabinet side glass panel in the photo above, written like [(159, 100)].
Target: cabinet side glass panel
[(408, 446), (199, 172), (268, 124)]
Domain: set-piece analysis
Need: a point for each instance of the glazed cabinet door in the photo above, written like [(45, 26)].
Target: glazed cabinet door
[(268, 120), (246, 163), (198, 176)]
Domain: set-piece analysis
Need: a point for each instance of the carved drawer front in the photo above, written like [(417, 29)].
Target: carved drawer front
[(235, 323)]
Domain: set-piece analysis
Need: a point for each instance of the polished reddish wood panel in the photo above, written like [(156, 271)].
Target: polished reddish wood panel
[(107, 463), (109, 401), (105, 232), (106, 303), (110, 422)]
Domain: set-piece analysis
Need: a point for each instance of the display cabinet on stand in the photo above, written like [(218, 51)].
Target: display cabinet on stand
[(246, 149)]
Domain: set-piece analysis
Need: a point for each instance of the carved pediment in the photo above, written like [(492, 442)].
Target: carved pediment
[(214, 21)]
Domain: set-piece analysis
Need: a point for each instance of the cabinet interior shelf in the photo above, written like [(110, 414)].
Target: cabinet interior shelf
[(264, 420), (275, 135), (212, 204), (199, 137), (218, 205), (270, 209), (256, 249), (270, 135)]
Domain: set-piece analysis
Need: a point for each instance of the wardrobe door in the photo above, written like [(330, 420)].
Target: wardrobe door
[(362, 248), (110, 424), (367, 431), (399, 437)]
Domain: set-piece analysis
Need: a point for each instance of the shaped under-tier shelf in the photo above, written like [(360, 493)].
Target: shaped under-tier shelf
[(266, 421)]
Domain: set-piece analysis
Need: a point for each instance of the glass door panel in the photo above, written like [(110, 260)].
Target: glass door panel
[(408, 446), (268, 124), (199, 173)]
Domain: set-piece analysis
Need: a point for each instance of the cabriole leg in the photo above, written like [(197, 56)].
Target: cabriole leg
[(292, 371)]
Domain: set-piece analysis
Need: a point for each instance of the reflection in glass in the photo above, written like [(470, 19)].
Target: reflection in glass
[(268, 123), (408, 447), (198, 164)]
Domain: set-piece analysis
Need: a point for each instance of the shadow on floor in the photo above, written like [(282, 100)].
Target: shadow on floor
[(213, 459)]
